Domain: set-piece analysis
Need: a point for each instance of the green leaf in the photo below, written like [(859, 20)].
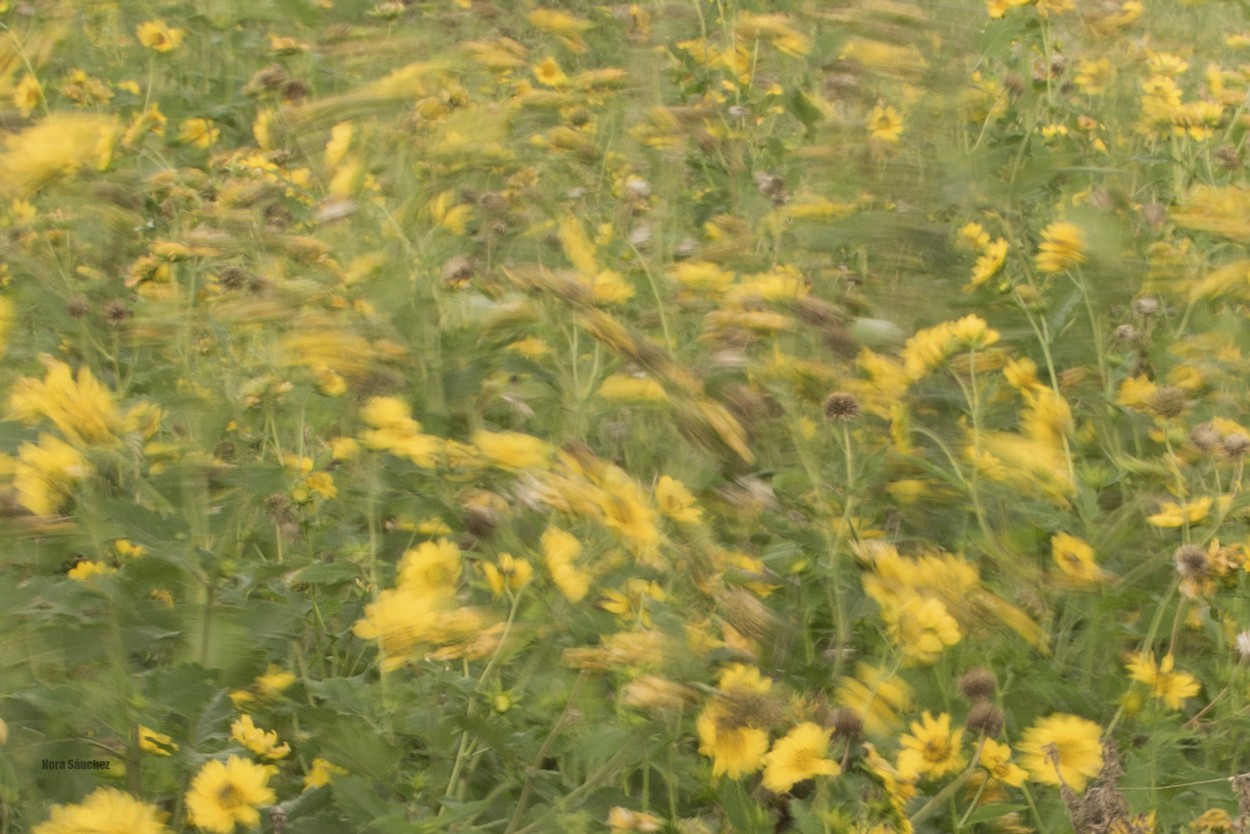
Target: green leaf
[(992, 812), (801, 107), (186, 688), (328, 573), (745, 815)]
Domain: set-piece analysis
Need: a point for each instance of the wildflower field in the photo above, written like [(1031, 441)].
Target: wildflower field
[(702, 417)]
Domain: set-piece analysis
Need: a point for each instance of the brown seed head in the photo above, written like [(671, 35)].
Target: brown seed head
[(985, 717), (1191, 561), (295, 91), (1205, 437), (116, 312), (748, 708), (77, 307), (270, 78), (457, 270), (847, 723), (841, 407), (1235, 445), (1228, 158), (977, 684), (1146, 306), (1167, 402)]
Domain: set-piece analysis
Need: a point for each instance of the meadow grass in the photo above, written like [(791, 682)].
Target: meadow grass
[(705, 416)]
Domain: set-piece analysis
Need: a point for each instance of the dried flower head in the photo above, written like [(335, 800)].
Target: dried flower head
[(1167, 402), (1235, 445), (986, 718), (77, 306), (1204, 436), (847, 723), (115, 312), (841, 407), (1191, 561), (977, 684), (1243, 645)]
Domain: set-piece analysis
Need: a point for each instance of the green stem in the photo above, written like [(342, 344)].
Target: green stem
[(948, 791), (523, 799)]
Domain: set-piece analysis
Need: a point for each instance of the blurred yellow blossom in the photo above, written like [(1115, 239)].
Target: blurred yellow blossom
[(1062, 247), (321, 772), (885, 124), (159, 36)]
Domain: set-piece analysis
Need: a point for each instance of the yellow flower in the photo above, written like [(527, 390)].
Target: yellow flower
[(1135, 392), (1172, 688), (320, 774), (230, 793), (1172, 514), (511, 573), (921, 627), (1063, 247), (1062, 749), (559, 545), (273, 682), (676, 502), (639, 389), (340, 142), (531, 347), (774, 28), (996, 759), (1021, 374), (703, 277), (625, 510), (560, 551), (1093, 77), (621, 820), (548, 72), (257, 740), (433, 526), (105, 811), (972, 236), (430, 567), (58, 145), (875, 696), (150, 741), (454, 218), (512, 450), (736, 751), (798, 756), (885, 124), (932, 749), (744, 677), (389, 413), (401, 621), (631, 604), (1075, 558), (498, 54), (157, 35), (44, 474), (82, 408), (927, 349), (28, 94), (563, 25), (887, 775), (85, 570), (989, 264), (972, 332), (199, 132), (318, 483)]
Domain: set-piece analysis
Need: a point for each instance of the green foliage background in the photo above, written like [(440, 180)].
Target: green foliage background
[(260, 295)]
